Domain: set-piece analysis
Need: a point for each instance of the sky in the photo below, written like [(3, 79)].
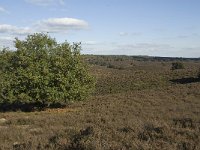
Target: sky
[(108, 27)]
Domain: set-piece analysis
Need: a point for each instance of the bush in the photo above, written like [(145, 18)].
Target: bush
[(177, 65), (43, 71), (199, 74)]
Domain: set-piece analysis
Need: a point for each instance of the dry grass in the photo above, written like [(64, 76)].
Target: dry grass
[(132, 108)]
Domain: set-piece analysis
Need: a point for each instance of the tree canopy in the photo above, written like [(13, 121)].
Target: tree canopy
[(41, 70)]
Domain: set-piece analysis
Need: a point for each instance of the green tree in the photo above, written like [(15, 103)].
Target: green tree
[(43, 71)]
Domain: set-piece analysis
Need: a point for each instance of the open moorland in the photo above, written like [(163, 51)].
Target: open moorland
[(139, 103)]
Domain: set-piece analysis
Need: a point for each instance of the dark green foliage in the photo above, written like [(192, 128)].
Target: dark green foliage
[(43, 71), (199, 73), (177, 65)]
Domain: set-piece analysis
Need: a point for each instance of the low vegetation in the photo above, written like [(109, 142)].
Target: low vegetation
[(143, 106), (177, 65)]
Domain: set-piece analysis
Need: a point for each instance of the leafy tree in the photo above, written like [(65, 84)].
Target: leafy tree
[(43, 71), (177, 65)]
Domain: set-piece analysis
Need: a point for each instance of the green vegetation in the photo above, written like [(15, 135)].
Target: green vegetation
[(145, 105), (177, 65), (43, 71)]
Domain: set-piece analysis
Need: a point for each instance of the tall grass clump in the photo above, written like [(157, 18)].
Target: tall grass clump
[(177, 65)]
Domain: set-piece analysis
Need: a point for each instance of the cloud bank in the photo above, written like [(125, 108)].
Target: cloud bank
[(60, 25), (52, 25), (46, 2), (10, 29)]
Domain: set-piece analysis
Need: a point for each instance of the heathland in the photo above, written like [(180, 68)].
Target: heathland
[(138, 103)]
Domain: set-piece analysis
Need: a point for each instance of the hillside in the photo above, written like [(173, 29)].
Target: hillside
[(138, 103)]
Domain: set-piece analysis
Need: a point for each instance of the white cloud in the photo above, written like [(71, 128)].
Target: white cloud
[(6, 42), (90, 43), (187, 36), (3, 10), (150, 46), (60, 25), (123, 33), (52, 25), (130, 33), (46, 2), (152, 49), (61, 2), (189, 52), (6, 28)]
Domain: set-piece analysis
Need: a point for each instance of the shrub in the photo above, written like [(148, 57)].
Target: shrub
[(177, 65), (199, 74), (43, 71)]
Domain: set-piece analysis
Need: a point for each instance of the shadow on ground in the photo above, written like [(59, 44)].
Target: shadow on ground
[(185, 80), (27, 107)]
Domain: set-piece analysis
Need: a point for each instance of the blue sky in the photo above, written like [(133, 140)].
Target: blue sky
[(117, 27)]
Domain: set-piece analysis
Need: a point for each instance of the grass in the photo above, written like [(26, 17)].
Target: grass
[(145, 105)]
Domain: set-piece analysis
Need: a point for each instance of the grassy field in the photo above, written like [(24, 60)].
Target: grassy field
[(139, 103)]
